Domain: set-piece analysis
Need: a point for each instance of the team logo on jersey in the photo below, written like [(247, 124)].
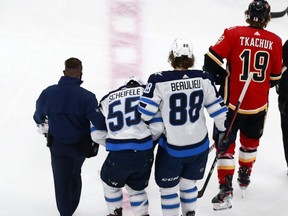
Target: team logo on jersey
[(159, 73), (185, 77), (220, 39)]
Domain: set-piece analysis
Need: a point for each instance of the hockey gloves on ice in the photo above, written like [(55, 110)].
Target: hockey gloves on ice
[(222, 143)]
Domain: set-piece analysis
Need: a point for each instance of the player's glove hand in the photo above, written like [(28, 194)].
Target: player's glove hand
[(283, 107), (43, 128), (277, 88), (222, 144)]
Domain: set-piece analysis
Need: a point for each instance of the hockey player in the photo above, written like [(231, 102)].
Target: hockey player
[(247, 49), (282, 89), (129, 141), (181, 96)]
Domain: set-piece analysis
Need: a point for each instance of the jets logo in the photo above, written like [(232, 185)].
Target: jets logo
[(159, 73)]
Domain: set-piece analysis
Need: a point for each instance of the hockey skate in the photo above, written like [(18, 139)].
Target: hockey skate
[(222, 200), (190, 213), (243, 177), (117, 212)]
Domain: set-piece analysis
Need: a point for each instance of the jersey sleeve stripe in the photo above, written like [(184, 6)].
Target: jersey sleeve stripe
[(275, 76), (218, 112), (155, 120), (145, 112), (147, 101), (216, 101), (92, 128), (214, 57)]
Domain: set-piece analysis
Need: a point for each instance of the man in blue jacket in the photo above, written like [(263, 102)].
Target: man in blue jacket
[(282, 89), (68, 109)]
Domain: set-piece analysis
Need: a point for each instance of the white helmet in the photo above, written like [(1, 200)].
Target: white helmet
[(132, 80), (182, 47)]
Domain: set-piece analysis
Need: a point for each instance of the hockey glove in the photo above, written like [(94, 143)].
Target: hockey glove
[(89, 147), (43, 128), (282, 105), (223, 144)]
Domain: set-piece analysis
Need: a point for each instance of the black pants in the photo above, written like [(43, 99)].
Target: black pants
[(67, 161), (284, 127), (129, 167)]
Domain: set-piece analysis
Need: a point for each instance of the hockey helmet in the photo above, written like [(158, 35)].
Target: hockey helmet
[(258, 10), (133, 81), (182, 47)]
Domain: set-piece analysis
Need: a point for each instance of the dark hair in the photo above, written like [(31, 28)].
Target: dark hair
[(257, 24), (73, 63), (183, 61), (73, 68)]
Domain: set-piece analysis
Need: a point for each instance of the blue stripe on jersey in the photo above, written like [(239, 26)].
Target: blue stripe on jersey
[(185, 152), (93, 128), (139, 146), (141, 110), (222, 110), (216, 101), (155, 120), (148, 101)]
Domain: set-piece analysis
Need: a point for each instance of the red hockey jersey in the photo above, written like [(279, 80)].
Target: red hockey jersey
[(248, 50)]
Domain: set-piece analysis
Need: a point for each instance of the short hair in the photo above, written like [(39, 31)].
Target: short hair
[(73, 63)]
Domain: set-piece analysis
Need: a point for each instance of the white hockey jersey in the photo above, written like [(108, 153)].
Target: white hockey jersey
[(124, 127), (181, 97)]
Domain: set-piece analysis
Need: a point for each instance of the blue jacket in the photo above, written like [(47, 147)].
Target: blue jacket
[(69, 109)]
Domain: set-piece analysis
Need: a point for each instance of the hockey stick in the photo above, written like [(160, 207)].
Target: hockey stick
[(279, 14), (243, 92)]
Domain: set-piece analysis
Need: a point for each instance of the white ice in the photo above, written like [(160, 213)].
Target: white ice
[(36, 37)]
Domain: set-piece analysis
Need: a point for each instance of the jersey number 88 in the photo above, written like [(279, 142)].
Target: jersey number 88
[(184, 107)]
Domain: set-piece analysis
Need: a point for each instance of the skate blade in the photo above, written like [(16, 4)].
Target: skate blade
[(243, 192), (225, 205), (243, 187)]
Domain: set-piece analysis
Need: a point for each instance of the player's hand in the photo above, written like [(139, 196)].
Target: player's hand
[(43, 128), (222, 142)]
